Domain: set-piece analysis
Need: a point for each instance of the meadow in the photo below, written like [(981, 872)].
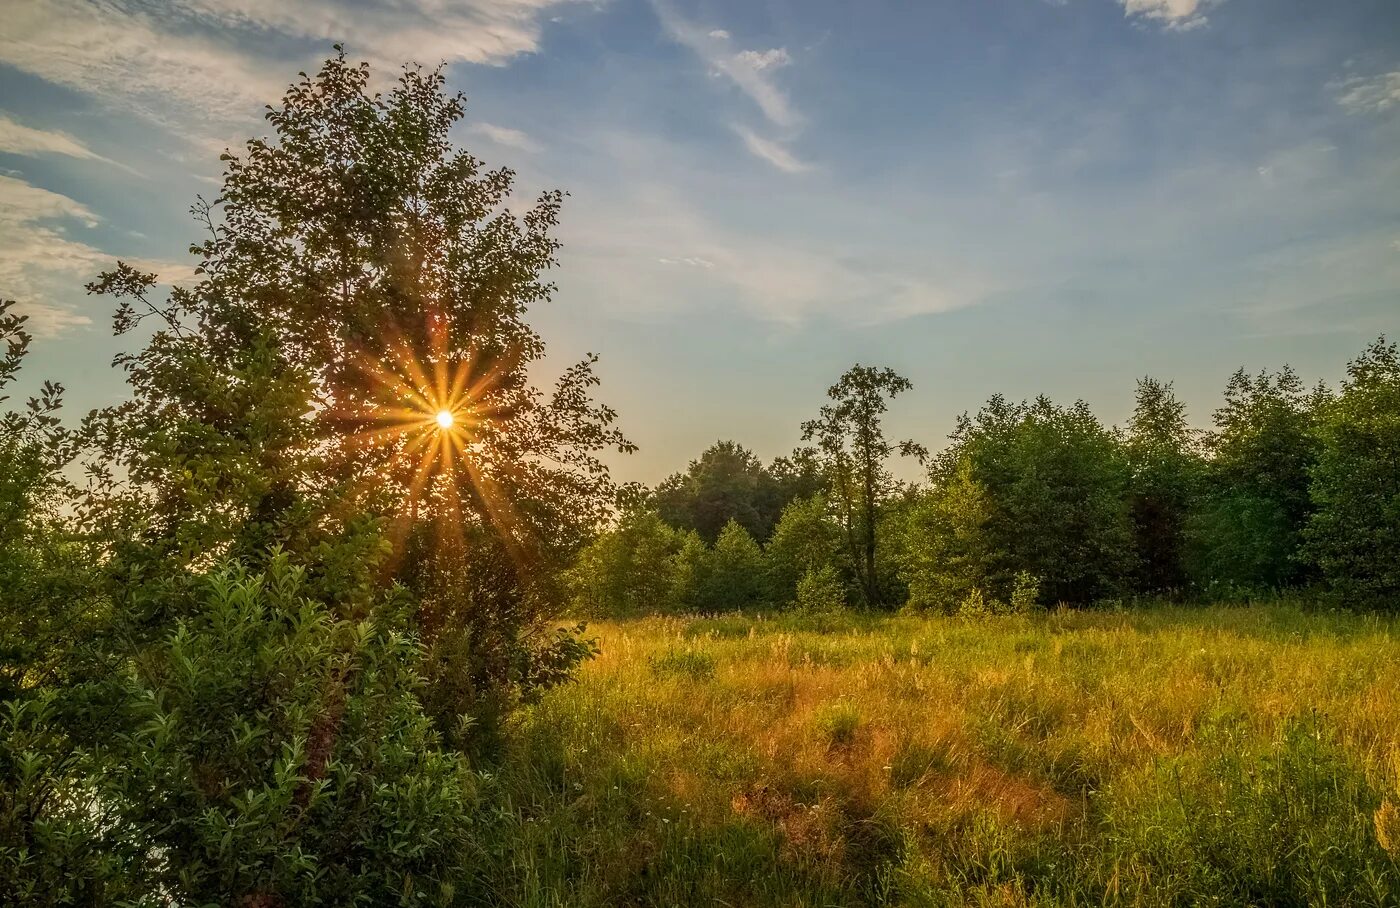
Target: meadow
[(1158, 756)]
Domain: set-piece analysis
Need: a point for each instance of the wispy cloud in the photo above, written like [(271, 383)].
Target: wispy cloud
[(38, 256), (772, 152), (16, 138), (1369, 94), (34, 247), (751, 71), (1178, 15), (504, 135), (651, 250), (182, 65)]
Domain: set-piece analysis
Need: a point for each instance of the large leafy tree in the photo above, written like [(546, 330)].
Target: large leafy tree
[(850, 440), (354, 359), (1354, 534), (328, 526), (727, 482)]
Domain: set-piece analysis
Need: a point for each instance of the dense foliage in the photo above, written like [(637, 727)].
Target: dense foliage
[(256, 656)]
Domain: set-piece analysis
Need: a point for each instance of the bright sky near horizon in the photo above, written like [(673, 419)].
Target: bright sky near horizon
[(1016, 196)]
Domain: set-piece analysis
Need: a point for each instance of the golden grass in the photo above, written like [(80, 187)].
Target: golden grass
[(1068, 758)]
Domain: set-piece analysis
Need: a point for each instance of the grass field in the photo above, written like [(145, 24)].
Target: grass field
[(1171, 756)]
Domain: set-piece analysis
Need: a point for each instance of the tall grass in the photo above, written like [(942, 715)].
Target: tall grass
[(1170, 756)]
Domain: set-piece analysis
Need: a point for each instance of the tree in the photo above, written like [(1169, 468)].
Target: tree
[(726, 483), (948, 551), (629, 570), (359, 278), (327, 530), (806, 539), (1162, 456), (734, 578), (1353, 535), (1047, 486), (851, 442), (1246, 533)]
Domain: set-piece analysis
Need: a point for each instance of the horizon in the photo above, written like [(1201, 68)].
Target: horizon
[(1019, 197)]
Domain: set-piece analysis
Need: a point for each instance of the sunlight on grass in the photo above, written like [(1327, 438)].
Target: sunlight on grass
[(1173, 756)]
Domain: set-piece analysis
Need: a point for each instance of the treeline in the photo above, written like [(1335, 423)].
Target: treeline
[(1032, 504)]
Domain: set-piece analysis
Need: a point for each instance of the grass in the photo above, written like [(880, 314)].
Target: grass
[(1170, 756)]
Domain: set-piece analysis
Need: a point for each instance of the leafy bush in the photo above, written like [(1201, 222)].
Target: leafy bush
[(820, 592), (279, 754)]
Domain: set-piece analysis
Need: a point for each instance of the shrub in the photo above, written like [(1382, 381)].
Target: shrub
[(820, 592), (279, 755)]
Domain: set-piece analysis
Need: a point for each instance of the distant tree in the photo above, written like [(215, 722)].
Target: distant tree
[(1353, 535), (851, 443), (690, 570), (790, 478), (1047, 486), (1166, 470), (948, 550), (726, 483), (806, 539), (1246, 533), (734, 577), (628, 570), (820, 592)]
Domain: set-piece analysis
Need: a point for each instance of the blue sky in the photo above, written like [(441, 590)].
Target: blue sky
[(1015, 196)]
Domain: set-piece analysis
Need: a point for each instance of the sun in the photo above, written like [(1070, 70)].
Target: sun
[(445, 419)]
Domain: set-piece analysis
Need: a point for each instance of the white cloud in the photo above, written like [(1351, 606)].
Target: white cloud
[(649, 250), (1369, 94), (772, 152), (16, 138), (765, 59), (1178, 15), (749, 70), (180, 66), (504, 135), (37, 254), (34, 247)]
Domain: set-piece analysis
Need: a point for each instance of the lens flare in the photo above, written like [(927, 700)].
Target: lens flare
[(445, 419)]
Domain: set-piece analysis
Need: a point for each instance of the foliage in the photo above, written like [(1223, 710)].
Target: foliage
[(948, 551), (727, 483), (1353, 536), (853, 449), (1165, 470), (805, 540), (734, 578), (1026, 487), (629, 570), (820, 591), (279, 754), (1246, 533)]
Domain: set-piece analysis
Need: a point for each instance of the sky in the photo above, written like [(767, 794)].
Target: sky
[(1013, 196)]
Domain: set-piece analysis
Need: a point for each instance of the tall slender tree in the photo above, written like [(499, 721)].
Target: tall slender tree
[(850, 438)]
